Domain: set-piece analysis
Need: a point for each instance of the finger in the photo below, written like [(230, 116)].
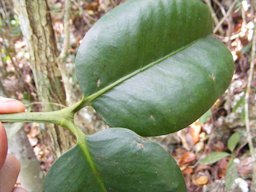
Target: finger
[(9, 174), (3, 145), (10, 106), (19, 189)]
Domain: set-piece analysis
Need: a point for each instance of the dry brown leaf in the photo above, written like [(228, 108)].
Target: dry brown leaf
[(187, 158), (244, 166), (200, 180), (222, 167), (218, 146), (194, 131), (188, 171)]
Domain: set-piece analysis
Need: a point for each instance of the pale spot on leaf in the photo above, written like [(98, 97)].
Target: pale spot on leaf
[(152, 117), (98, 83), (140, 145), (212, 76)]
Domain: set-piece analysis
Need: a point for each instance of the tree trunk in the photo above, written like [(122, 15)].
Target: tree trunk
[(37, 29)]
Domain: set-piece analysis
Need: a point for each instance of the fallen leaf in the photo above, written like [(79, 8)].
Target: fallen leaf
[(200, 180), (245, 167), (222, 167), (188, 171), (194, 131), (187, 158), (218, 146)]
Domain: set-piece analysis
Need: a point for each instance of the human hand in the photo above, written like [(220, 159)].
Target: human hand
[(9, 165)]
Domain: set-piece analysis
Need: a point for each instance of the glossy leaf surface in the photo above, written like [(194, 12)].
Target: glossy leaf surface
[(151, 66), (124, 162)]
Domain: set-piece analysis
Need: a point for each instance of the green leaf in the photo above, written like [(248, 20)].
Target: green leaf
[(240, 104), (152, 66), (233, 141), (231, 175), (214, 157), (123, 161), (205, 116)]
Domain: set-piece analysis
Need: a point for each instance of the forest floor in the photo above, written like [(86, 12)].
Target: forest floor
[(216, 153)]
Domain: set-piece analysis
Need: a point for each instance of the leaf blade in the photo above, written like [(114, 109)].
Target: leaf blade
[(166, 98), (231, 175), (214, 157), (233, 141), (132, 37), (125, 162), (136, 42)]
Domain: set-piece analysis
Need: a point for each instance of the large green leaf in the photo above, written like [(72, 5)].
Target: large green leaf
[(151, 66), (120, 161)]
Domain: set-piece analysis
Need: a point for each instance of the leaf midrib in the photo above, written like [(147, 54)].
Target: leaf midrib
[(82, 143), (95, 95)]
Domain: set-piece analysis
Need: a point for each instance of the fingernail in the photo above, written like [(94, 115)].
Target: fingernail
[(4, 99)]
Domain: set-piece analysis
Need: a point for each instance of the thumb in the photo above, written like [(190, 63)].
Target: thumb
[(8, 105), (3, 145), (19, 189)]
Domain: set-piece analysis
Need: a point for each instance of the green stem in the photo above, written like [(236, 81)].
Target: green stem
[(82, 142), (63, 117), (49, 117)]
